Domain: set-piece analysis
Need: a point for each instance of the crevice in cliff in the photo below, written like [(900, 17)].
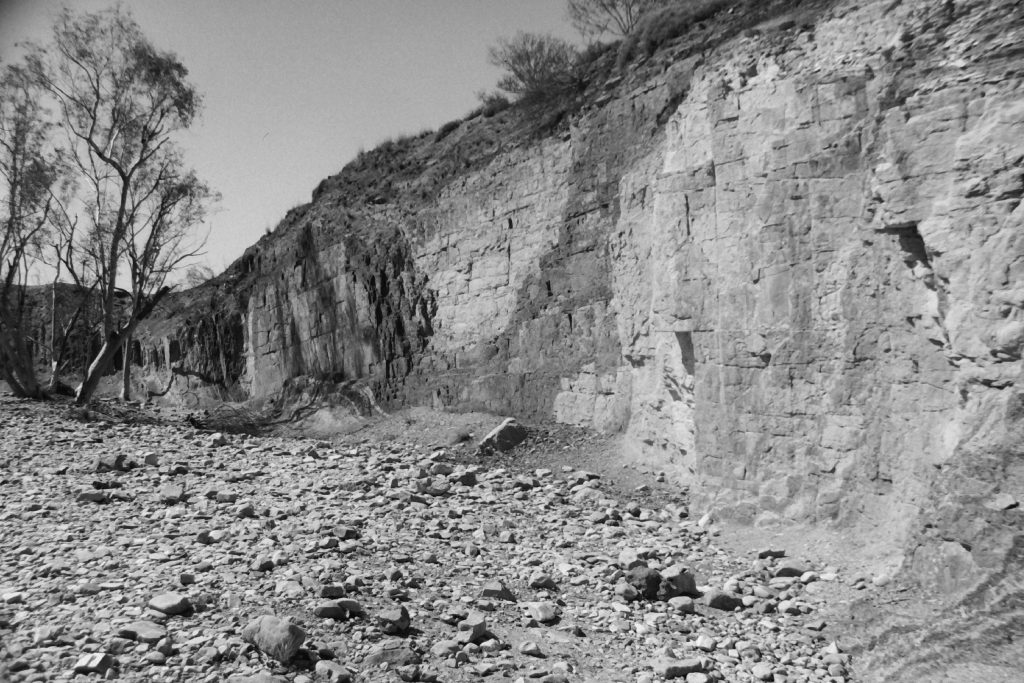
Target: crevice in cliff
[(918, 259), (686, 352), (914, 248)]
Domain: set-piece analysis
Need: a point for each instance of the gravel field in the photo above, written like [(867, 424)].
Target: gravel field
[(145, 549)]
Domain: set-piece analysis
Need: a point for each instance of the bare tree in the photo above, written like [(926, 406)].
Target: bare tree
[(538, 67), (593, 18), (29, 167), (119, 101)]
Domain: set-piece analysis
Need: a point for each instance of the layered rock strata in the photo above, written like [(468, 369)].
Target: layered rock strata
[(786, 264)]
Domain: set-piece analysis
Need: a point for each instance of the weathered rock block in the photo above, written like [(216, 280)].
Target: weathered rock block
[(275, 637), (504, 437)]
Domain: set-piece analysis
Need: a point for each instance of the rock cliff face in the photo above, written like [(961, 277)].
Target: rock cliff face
[(787, 264)]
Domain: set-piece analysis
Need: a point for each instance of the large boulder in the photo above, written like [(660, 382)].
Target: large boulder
[(676, 581), (647, 581)]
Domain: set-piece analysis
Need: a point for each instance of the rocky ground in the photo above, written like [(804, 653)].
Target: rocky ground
[(146, 549)]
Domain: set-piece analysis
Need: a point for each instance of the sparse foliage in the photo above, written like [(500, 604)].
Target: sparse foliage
[(593, 18), (198, 275), (491, 103), (665, 22), (447, 129), (538, 67), (119, 101), (166, 202), (29, 170)]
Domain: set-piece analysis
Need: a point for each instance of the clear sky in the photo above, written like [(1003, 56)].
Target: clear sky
[(293, 89)]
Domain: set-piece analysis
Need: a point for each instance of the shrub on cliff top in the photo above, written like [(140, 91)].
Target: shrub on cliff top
[(660, 25), (447, 128), (594, 18), (491, 103), (539, 68)]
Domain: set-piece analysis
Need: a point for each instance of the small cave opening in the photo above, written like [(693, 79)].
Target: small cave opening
[(918, 258), (685, 341), (911, 244)]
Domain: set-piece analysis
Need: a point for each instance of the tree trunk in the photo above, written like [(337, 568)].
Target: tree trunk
[(19, 370), (99, 366), (59, 348), (105, 357), (8, 375), (126, 369), (16, 361), (53, 328), (101, 363), (30, 387)]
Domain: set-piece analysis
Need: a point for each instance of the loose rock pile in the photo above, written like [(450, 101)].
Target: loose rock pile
[(153, 553)]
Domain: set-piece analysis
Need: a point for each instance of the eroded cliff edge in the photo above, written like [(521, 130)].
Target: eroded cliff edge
[(785, 262)]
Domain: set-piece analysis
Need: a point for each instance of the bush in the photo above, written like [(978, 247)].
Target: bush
[(446, 129), (593, 18), (538, 67), (658, 27), (593, 52), (198, 274), (491, 104)]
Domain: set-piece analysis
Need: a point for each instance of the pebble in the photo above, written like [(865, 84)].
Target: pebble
[(543, 612), (394, 621), (171, 603), (171, 493), (498, 591), (645, 580), (791, 567), (726, 602), (627, 591), (473, 628), (705, 643), (90, 495), (363, 547), (392, 652), (275, 637), (332, 671), (671, 668), (143, 631), (543, 580), (94, 663), (682, 604)]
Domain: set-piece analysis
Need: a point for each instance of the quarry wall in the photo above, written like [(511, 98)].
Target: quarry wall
[(788, 268)]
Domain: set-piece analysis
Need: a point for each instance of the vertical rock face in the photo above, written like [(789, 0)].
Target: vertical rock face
[(340, 309), (835, 235), (787, 266)]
